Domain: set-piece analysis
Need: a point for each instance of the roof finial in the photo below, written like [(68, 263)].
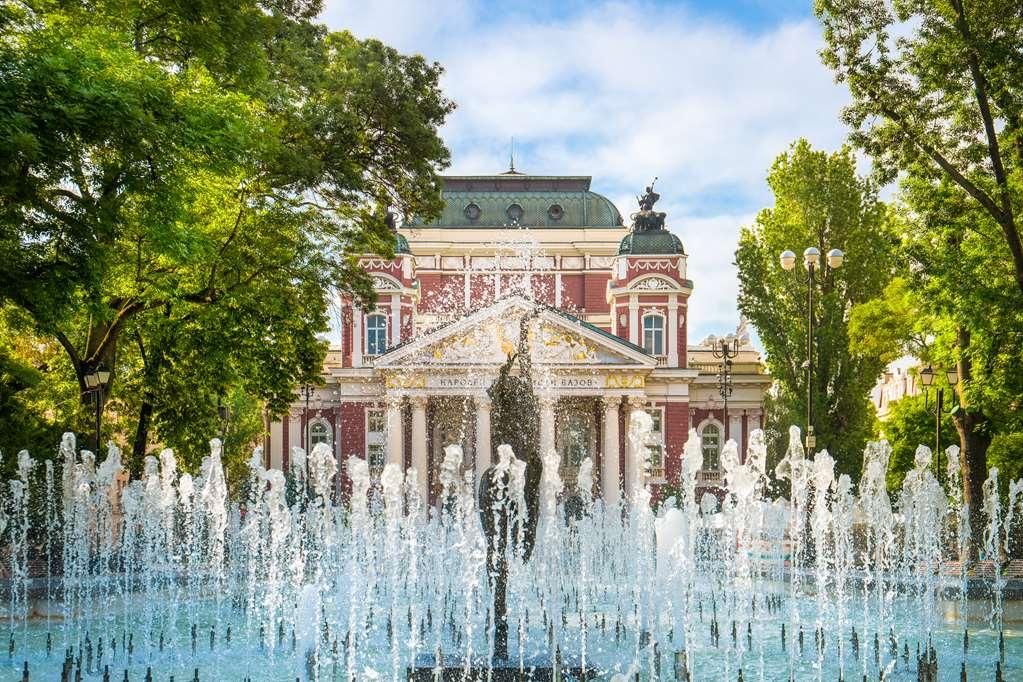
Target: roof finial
[(511, 156)]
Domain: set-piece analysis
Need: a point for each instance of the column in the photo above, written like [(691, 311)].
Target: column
[(419, 453), (395, 320), (395, 434), (633, 455), (673, 331), (356, 336), (546, 424), (482, 435), (609, 483), (634, 331)]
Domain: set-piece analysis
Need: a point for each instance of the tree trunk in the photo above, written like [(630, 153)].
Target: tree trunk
[(974, 439), (138, 448)]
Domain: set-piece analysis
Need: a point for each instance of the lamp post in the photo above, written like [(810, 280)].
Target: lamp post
[(307, 391), (811, 259), (223, 412), (95, 382), (725, 353), (927, 375)]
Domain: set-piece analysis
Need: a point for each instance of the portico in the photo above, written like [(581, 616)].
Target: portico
[(587, 383)]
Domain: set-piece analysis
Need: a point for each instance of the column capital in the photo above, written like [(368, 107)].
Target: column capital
[(611, 402), (547, 401), (637, 401), (393, 400), (418, 401), (482, 401)]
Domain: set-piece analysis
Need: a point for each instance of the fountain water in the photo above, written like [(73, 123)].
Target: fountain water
[(167, 574)]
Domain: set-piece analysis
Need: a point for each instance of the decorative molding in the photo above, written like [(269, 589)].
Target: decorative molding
[(572, 262), (380, 263), (601, 261), (385, 284), (624, 381), (660, 264), (404, 382), (653, 284)]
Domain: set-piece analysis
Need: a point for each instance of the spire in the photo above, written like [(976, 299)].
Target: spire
[(511, 160)]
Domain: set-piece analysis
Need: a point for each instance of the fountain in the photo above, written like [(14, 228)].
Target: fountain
[(167, 577)]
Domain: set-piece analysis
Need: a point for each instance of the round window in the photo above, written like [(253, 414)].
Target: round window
[(472, 212), (556, 212), (514, 213)]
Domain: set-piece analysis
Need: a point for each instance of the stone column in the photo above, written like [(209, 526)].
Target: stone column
[(673, 331), (395, 320), (356, 336), (546, 425), (609, 483), (482, 435), (633, 458), (419, 449), (395, 432)]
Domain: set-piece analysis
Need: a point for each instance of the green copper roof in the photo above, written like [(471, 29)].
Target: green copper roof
[(516, 200), (650, 242), (401, 245)]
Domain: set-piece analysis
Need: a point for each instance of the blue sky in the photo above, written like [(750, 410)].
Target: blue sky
[(702, 94)]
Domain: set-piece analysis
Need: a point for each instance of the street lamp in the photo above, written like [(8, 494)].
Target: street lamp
[(307, 391), (725, 353), (811, 260), (95, 382), (927, 375), (223, 412)]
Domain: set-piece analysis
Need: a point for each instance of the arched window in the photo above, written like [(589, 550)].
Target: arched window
[(376, 334), (319, 433), (711, 441), (653, 334)]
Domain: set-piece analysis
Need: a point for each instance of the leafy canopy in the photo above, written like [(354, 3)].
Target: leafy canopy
[(185, 186), (819, 201)]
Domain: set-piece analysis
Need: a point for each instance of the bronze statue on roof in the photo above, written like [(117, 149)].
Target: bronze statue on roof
[(647, 219)]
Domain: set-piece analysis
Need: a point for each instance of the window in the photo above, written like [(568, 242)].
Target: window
[(319, 433), (653, 334), (376, 452), (376, 334), (376, 422), (375, 457), (711, 439), (655, 443)]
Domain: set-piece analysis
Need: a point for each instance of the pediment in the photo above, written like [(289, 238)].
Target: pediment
[(489, 336)]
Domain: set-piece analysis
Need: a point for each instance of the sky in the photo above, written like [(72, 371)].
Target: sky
[(702, 94)]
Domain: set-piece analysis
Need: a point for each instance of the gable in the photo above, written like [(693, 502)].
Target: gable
[(490, 335)]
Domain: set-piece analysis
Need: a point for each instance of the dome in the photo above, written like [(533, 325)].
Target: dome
[(650, 242), (400, 245), (522, 201)]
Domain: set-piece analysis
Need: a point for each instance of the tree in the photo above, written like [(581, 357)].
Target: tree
[(819, 201), (955, 305), (182, 188), (908, 425), (937, 89)]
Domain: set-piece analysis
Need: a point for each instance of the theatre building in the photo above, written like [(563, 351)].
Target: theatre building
[(607, 310)]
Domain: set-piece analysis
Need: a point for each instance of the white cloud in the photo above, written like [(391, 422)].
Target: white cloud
[(624, 92)]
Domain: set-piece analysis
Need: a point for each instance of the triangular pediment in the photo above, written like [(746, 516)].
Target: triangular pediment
[(488, 336)]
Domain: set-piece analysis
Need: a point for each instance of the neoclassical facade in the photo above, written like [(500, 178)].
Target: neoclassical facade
[(606, 309)]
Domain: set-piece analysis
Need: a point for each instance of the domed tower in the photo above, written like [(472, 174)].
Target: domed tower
[(648, 290), (369, 333)]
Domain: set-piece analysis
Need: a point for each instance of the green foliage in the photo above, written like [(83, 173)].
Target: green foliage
[(1006, 453), (909, 424), (184, 187), (937, 90), (821, 202)]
